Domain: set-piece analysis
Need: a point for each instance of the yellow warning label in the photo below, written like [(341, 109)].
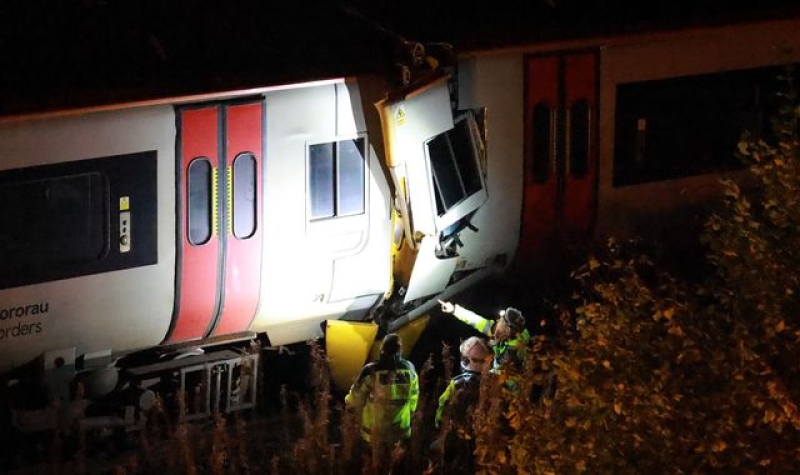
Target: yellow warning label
[(400, 116), (229, 197), (124, 203)]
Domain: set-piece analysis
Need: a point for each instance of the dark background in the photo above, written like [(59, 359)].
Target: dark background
[(71, 53)]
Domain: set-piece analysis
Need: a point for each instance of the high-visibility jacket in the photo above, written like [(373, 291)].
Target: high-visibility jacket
[(506, 352), (386, 393), (458, 400)]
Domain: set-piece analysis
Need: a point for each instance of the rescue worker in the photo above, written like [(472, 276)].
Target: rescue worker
[(509, 337), (385, 394), (456, 404), (462, 391)]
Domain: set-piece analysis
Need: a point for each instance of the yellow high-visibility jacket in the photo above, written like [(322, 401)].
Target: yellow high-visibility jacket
[(458, 400), (386, 393)]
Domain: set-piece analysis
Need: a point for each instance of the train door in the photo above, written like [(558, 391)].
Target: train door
[(560, 179), (220, 151)]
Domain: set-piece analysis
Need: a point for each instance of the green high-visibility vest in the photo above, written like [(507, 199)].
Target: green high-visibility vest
[(507, 352), (386, 393)]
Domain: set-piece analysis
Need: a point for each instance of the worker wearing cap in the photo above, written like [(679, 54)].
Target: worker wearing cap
[(509, 336)]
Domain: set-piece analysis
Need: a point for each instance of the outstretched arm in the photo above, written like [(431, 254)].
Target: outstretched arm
[(469, 317)]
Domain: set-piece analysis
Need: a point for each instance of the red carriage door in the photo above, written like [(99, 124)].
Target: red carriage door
[(220, 149), (244, 127), (560, 179)]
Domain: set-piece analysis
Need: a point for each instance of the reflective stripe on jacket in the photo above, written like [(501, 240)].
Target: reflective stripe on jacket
[(386, 393), (505, 352)]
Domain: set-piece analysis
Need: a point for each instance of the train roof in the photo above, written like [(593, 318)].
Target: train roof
[(77, 53)]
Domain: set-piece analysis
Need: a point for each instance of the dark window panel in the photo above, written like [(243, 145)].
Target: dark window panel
[(461, 140), (62, 220), (679, 127), (244, 196), (199, 202), (53, 221), (447, 182), (455, 170)]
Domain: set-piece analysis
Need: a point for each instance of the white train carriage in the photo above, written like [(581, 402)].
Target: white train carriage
[(628, 134), (202, 221)]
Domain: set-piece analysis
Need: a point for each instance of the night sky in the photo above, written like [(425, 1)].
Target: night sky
[(86, 52)]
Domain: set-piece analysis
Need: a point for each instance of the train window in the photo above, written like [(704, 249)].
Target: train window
[(350, 165), (244, 195), (337, 178), (579, 134), (455, 168), (321, 180), (541, 142), (53, 221), (199, 202), (61, 220), (678, 127)]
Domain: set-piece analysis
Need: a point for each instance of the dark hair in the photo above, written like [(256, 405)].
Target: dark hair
[(391, 344)]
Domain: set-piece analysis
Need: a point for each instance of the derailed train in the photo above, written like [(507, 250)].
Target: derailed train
[(144, 246)]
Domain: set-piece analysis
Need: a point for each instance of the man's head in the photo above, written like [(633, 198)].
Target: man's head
[(475, 354), (391, 344), (510, 323)]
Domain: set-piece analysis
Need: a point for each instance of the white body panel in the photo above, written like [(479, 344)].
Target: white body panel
[(120, 310), (416, 119), (311, 270), (315, 270), (496, 84)]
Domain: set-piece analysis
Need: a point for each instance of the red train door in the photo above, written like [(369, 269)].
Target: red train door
[(244, 132), (560, 179), (218, 275)]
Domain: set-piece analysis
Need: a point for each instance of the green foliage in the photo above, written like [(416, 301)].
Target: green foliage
[(755, 245), (657, 377)]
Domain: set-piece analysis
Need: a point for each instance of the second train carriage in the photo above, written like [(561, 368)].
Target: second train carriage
[(626, 134)]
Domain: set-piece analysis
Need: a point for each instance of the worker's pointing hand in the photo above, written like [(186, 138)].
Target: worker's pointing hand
[(447, 307)]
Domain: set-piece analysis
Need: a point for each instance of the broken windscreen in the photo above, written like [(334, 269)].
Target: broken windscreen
[(456, 175)]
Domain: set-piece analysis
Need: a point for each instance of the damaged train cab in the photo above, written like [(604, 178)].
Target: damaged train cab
[(147, 246)]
